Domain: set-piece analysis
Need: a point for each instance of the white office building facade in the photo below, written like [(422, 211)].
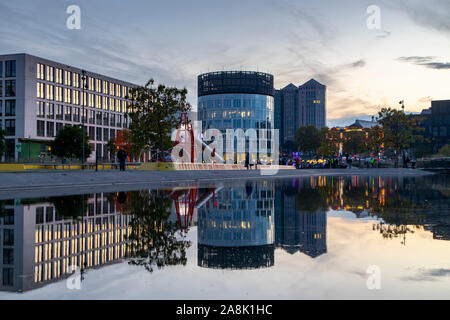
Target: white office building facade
[(38, 97)]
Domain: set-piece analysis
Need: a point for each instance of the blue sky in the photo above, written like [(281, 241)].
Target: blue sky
[(295, 40)]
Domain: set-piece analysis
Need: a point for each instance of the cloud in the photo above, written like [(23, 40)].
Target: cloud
[(428, 275), (433, 14), (427, 62)]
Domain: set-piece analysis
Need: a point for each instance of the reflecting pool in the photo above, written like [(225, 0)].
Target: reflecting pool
[(303, 238)]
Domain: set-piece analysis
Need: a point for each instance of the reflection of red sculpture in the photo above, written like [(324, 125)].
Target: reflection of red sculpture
[(185, 130), (185, 201)]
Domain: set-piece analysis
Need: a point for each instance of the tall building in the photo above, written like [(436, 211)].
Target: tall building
[(41, 96), (312, 104), (299, 106), (287, 111), (236, 100)]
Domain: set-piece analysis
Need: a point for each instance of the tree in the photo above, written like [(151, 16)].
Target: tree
[(354, 142), (400, 130), (308, 139), (153, 115), (154, 240), (69, 143), (2, 143), (445, 150), (333, 140), (375, 139), (324, 150)]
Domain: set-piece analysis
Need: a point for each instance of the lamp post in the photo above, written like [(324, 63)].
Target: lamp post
[(83, 78)]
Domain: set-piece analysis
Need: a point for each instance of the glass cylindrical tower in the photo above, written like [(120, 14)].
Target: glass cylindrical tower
[(236, 100)]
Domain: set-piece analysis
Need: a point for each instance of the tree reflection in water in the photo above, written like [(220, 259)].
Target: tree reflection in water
[(154, 240)]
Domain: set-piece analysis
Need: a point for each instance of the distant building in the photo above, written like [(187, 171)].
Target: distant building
[(299, 106), (437, 123), (313, 104)]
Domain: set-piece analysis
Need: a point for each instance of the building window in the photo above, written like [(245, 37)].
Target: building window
[(99, 117), (50, 111), (10, 88), (105, 134), (40, 128), (67, 95), (1, 86), (50, 73), (76, 97), (98, 85), (92, 133), (105, 87), (40, 109), (50, 92), (10, 108), (105, 119), (59, 76), (40, 90), (91, 118), (8, 237), (68, 113), (67, 78), (8, 256), (59, 112), (1, 69), (40, 71), (111, 88), (10, 68), (76, 114), (99, 134), (50, 129), (76, 80), (58, 94), (10, 127), (1, 112), (8, 276)]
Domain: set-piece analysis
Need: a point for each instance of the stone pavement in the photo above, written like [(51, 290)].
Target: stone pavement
[(41, 183)]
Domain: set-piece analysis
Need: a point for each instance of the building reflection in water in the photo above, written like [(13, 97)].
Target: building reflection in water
[(38, 244), (239, 227), (236, 228)]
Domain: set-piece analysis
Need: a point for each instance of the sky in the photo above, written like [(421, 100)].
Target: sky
[(173, 41)]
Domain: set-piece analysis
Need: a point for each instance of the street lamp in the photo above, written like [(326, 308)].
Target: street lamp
[(83, 78)]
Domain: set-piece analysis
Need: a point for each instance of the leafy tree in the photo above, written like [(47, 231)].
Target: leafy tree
[(112, 148), (2, 143), (333, 140), (308, 139), (69, 143), (324, 150), (375, 139), (154, 241), (400, 130), (445, 150), (153, 113), (354, 142)]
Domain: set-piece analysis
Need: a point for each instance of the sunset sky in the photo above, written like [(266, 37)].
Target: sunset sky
[(295, 40)]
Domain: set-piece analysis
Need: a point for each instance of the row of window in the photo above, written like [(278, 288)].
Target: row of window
[(10, 69), (10, 88), (51, 92), (73, 79), (68, 113), (50, 129), (10, 127)]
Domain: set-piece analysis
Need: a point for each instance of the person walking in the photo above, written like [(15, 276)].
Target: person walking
[(247, 161), (122, 156)]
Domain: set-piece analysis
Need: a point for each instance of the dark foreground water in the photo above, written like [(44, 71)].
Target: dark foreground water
[(317, 237)]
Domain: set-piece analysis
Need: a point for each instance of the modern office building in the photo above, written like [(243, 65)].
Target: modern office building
[(312, 97), (236, 228), (299, 106), (437, 124), (236, 100), (41, 96), (38, 245)]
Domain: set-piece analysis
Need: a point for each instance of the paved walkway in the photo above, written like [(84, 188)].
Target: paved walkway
[(39, 183)]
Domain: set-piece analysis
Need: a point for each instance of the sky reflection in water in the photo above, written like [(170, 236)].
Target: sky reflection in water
[(291, 239)]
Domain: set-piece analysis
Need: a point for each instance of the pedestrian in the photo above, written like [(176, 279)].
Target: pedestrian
[(122, 156), (247, 161)]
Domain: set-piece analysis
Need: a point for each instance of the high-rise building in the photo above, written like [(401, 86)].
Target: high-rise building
[(299, 106), (41, 96), (312, 104), (437, 124), (236, 100)]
